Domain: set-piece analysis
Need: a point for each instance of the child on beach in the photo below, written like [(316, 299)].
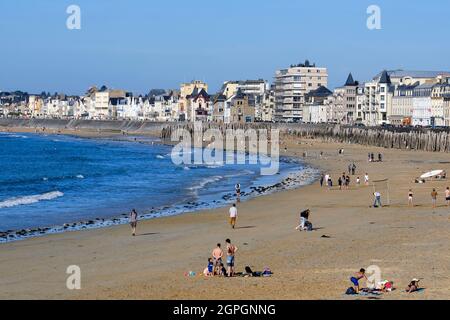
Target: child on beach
[(366, 179), (358, 181), (208, 272), (358, 276)]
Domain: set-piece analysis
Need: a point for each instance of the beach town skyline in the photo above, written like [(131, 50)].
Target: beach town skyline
[(214, 157)]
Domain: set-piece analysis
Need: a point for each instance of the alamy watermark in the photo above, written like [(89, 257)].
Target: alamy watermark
[(374, 19), (73, 21), (234, 146), (73, 281)]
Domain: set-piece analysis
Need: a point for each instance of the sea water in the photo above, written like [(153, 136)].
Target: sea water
[(55, 180)]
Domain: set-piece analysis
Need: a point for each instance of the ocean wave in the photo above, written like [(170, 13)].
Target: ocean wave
[(205, 182), (18, 201), (160, 156)]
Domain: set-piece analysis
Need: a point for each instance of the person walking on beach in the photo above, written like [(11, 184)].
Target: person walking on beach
[(233, 215), (447, 196), (231, 251), (238, 192), (349, 168), (353, 169), (217, 255), (434, 195), (322, 178), (377, 202), (133, 221), (366, 179), (326, 179), (410, 198)]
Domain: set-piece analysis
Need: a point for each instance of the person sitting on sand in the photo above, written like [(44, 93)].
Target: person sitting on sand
[(358, 276), (133, 221), (209, 270), (413, 286), (304, 216), (217, 255)]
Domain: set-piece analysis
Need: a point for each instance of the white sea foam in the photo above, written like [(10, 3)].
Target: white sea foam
[(205, 182), (80, 176), (12, 202), (160, 156)]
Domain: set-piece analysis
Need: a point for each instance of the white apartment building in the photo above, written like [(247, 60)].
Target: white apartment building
[(422, 113), (402, 105), (292, 85), (378, 94), (438, 94)]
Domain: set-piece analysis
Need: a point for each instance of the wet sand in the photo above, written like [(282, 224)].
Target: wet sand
[(404, 242)]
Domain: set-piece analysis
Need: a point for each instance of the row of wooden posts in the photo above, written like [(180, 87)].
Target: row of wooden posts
[(425, 140)]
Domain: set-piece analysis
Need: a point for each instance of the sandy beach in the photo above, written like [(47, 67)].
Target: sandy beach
[(403, 242)]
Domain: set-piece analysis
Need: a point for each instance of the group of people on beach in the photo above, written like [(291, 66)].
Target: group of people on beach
[(215, 262), (382, 286), (343, 181), (434, 196), (371, 157)]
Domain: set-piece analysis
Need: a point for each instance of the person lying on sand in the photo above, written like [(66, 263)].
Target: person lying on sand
[(413, 286), (358, 276)]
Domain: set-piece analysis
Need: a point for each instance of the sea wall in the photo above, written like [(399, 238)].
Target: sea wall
[(104, 125), (398, 138)]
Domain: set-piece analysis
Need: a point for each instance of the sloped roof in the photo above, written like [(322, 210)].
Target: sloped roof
[(320, 92), (350, 81), (385, 78)]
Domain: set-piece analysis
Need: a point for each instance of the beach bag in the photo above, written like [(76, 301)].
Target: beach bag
[(350, 291)]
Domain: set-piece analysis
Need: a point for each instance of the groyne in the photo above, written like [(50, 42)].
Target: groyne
[(395, 138), (398, 138)]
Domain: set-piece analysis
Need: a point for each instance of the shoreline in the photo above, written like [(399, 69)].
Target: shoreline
[(292, 180), (404, 242)]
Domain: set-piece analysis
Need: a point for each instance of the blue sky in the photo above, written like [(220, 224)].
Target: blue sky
[(139, 45)]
